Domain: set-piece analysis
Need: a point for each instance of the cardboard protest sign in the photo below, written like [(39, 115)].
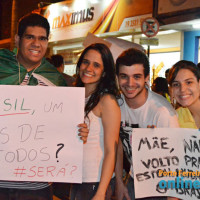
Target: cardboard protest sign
[(166, 162), (39, 135)]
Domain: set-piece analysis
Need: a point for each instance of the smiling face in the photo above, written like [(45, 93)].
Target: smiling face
[(91, 68), (185, 88), (132, 82), (32, 47)]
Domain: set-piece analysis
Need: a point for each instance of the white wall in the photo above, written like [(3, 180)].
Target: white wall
[(169, 59)]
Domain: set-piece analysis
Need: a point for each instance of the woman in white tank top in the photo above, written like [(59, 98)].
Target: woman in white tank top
[(96, 72)]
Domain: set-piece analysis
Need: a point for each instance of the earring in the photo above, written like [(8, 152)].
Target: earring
[(147, 84), (173, 102)]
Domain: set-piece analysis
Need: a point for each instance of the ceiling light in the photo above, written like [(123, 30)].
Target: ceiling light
[(94, 1), (164, 32), (196, 26), (65, 8)]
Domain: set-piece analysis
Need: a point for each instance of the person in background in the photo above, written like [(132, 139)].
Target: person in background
[(140, 108), (160, 86), (58, 61), (96, 72), (184, 80), (29, 67)]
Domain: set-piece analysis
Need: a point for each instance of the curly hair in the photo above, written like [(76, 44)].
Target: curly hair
[(107, 83)]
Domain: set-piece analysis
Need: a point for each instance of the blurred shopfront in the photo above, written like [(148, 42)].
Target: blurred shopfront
[(71, 21), (180, 19), (184, 16)]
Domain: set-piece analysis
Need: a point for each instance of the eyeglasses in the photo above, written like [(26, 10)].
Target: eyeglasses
[(32, 38)]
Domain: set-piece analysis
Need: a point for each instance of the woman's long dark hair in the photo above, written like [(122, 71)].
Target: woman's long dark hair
[(107, 83)]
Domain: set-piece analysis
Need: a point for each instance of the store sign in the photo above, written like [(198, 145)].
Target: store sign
[(150, 27), (74, 19), (149, 41), (133, 22), (77, 18)]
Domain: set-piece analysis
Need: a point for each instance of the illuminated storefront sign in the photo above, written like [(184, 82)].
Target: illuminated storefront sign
[(74, 19)]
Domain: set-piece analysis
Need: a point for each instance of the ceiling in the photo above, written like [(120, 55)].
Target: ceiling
[(183, 26)]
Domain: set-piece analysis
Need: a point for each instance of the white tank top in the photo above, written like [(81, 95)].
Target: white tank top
[(93, 150)]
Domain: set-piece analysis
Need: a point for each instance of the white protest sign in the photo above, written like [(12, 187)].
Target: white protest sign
[(166, 162), (38, 133)]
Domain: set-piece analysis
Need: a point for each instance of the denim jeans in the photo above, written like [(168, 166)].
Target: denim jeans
[(20, 194)]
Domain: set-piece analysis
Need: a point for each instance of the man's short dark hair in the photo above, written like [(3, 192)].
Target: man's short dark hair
[(133, 56), (32, 19)]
